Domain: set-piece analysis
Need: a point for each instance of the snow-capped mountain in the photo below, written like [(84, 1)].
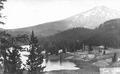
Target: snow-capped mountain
[(89, 19), (94, 17)]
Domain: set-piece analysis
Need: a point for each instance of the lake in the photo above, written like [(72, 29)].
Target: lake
[(57, 65)]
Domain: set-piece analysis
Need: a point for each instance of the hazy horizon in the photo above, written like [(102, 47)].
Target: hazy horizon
[(24, 13)]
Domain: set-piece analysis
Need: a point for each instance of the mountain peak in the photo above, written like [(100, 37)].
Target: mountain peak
[(94, 17), (101, 7), (100, 10)]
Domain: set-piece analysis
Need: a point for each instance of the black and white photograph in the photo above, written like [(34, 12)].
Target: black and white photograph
[(59, 36)]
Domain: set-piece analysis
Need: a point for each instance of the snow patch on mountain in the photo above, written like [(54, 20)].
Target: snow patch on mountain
[(93, 17)]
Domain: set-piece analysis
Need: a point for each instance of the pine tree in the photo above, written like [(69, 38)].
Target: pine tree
[(35, 58), (4, 45), (14, 56), (1, 7), (10, 52), (2, 39)]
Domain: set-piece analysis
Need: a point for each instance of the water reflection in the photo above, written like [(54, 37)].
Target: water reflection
[(57, 65)]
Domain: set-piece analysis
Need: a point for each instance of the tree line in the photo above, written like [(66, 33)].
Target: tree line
[(10, 54)]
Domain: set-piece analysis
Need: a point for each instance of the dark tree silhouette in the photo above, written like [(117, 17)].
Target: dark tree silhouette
[(1, 7), (90, 48), (114, 59), (14, 60), (4, 39), (10, 53), (35, 58)]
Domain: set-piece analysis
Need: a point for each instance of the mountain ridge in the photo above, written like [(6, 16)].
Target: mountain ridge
[(107, 34), (94, 17), (91, 21)]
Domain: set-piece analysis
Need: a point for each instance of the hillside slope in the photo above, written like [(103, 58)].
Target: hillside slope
[(90, 19)]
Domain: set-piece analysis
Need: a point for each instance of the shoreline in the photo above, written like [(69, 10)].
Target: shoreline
[(86, 67)]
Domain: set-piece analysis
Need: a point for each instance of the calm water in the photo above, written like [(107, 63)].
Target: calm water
[(57, 65)]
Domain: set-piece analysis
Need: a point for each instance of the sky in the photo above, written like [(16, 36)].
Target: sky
[(24, 13)]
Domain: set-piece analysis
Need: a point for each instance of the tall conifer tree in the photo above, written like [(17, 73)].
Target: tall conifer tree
[(35, 58)]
